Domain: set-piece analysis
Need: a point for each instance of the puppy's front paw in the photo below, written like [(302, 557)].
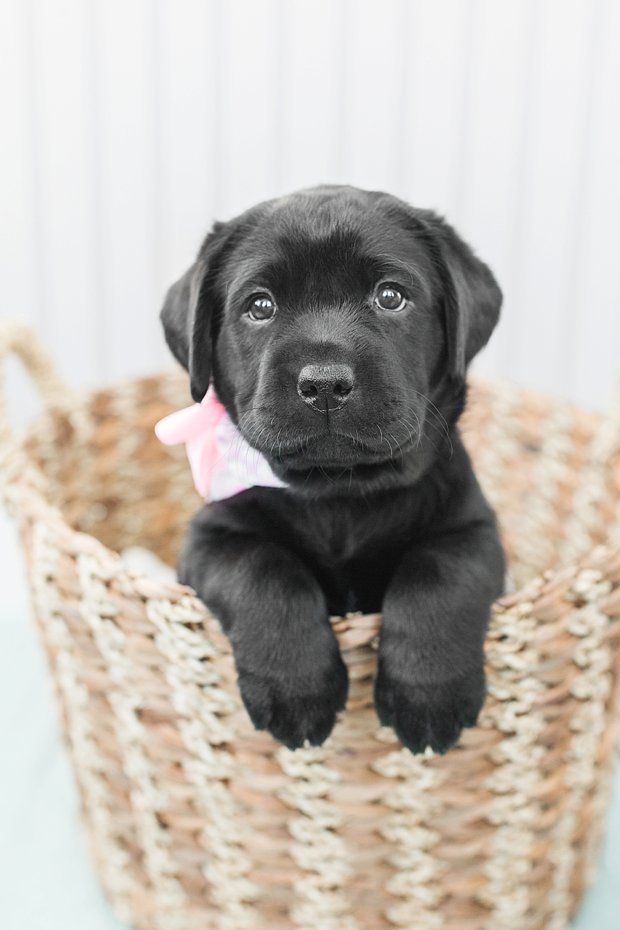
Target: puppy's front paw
[(292, 711), (428, 715)]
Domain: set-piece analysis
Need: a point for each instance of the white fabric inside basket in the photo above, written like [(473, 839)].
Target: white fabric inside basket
[(144, 562)]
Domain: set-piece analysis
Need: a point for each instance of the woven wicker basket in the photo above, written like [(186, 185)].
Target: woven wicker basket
[(195, 820)]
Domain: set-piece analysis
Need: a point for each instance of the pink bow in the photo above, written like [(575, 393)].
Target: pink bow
[(195, 426)]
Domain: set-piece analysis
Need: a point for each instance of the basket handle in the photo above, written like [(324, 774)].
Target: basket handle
[(21, 341)]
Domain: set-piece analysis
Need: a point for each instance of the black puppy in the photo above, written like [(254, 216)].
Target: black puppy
[(337, 326)]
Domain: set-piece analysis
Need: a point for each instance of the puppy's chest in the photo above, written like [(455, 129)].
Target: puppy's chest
[(337, 534), (331, 537)]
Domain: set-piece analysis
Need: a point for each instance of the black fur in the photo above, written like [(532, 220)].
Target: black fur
[(383, 511)]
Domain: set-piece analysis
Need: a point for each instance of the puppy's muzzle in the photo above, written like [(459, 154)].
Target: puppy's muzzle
[(325, 387)]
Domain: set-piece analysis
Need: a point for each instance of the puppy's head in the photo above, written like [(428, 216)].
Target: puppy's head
[(337, 326)]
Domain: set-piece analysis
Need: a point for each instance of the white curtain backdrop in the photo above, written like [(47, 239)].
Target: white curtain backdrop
[(129, 125)]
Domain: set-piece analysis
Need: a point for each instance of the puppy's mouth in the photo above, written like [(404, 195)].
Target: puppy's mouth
[(335, 451)]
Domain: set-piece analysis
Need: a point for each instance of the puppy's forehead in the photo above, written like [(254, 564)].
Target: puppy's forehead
[(342, 241)]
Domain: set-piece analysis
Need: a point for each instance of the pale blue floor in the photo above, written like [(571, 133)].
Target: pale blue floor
[(47, 883)]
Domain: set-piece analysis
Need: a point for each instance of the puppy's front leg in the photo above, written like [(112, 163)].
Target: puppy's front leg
[(291, 675), (430, 678)]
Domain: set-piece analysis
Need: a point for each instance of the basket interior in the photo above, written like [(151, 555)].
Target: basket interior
[(112, 478)]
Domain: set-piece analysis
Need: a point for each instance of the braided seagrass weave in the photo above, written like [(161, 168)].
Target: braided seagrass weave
[(195, 820)]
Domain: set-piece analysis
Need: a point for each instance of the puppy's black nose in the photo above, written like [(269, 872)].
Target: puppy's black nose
[(325, 386)]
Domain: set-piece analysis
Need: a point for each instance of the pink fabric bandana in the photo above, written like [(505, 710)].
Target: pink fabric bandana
[(221, 461)]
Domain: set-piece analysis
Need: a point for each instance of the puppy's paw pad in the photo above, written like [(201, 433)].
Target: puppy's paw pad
[(293, 717), (427, 716)]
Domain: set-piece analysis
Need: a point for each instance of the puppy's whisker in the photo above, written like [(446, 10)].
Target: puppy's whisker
[(433, 419), (325, 475), (395, 441), (415, 429), (409, 429), (385, 440), (435, 409), (439, 443), (443, 432), (258, 436)]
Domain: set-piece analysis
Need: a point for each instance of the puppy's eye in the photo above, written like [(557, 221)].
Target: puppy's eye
[(390, 298), (262, 308)]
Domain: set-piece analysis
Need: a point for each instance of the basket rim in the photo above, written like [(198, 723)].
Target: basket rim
[(585, 580), (26, 496)]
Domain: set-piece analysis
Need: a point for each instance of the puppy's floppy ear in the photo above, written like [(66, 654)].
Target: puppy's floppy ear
[(187, 312), (472, 295)]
